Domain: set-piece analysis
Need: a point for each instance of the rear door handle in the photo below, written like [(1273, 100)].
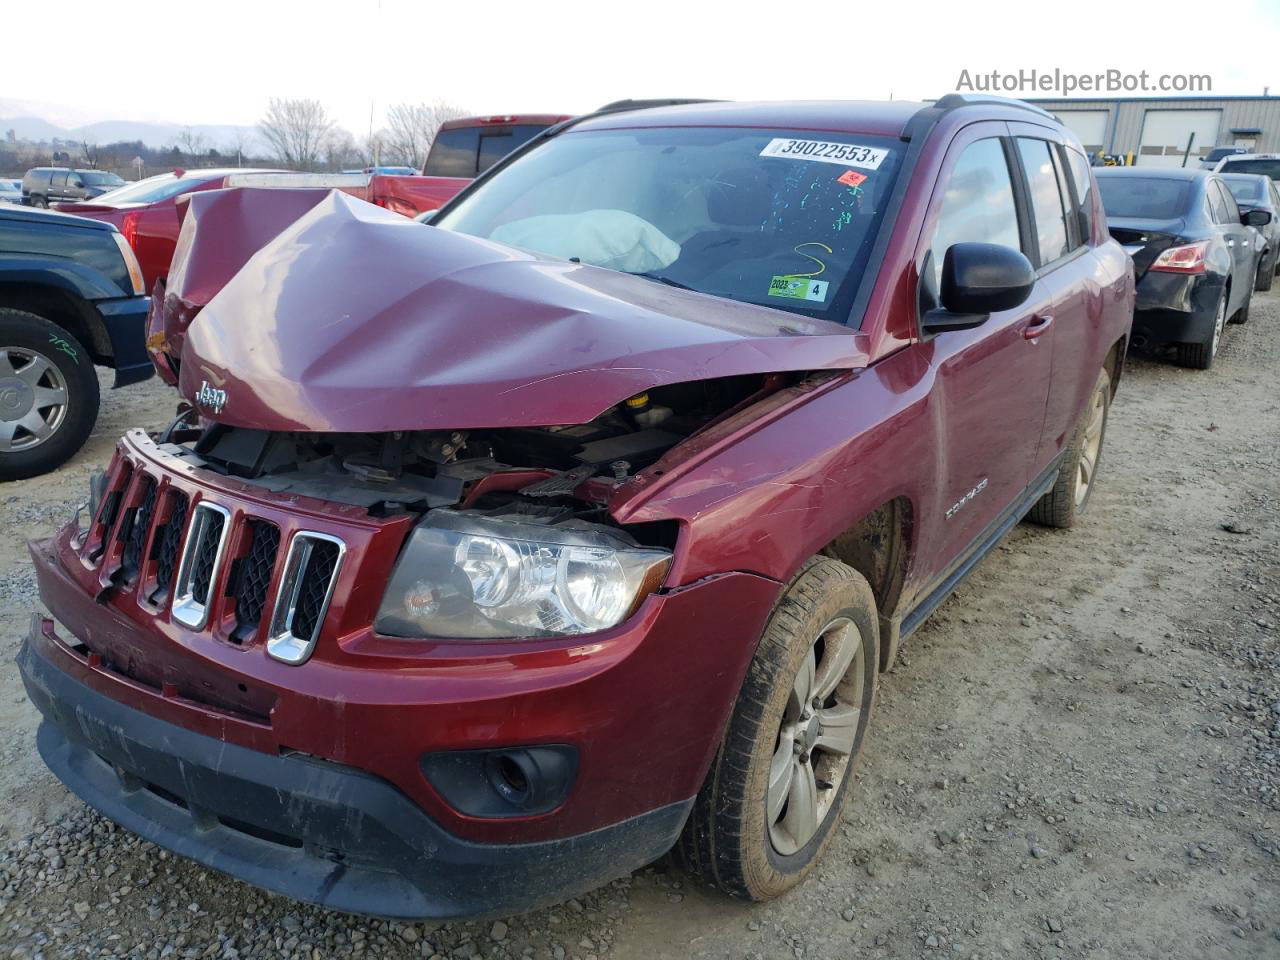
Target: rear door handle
[(1038, 326)]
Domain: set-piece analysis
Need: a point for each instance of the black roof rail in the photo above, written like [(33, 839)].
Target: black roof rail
[(617, 105), (953, 101)]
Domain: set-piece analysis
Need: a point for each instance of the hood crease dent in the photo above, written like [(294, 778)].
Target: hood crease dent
[(355, 319)]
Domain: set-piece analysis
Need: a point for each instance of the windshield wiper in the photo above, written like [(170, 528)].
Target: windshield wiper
[(667, 280)]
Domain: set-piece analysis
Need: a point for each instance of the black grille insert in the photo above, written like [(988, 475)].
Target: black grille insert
[(164, 547), (133, 531), (314, 587), (206, 555), (252, 576)]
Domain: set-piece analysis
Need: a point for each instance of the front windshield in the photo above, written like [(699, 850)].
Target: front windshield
[(779, 218), (152, 189), (97, 178)]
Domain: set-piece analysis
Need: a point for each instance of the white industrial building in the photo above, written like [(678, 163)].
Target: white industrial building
[(1161, 131)]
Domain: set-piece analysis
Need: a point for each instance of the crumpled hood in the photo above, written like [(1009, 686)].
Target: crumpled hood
[(355, 319)]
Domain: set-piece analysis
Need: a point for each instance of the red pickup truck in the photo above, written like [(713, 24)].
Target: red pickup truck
[(499, 555), (148, 212)]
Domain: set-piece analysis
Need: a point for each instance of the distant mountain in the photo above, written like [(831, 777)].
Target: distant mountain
[(31, 120)]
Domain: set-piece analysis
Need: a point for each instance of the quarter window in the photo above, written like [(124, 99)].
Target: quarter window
[(978, 205), (1046, 199)]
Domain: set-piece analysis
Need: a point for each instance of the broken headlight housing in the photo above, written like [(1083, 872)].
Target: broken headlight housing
[(472, 577)]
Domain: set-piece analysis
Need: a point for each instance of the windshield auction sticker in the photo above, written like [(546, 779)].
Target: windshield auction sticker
[(798, 288), (845, 154)]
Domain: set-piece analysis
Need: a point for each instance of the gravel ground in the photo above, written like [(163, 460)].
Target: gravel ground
[(1079, 755)]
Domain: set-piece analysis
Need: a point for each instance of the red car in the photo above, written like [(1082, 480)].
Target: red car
[(145, 212), (499, 555)]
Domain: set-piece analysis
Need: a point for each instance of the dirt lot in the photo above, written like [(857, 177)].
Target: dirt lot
[(1079, 755)]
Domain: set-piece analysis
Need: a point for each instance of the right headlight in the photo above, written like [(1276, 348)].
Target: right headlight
[(468, 576)]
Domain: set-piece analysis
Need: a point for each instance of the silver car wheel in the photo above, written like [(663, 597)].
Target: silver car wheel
[(816, 739), (33, 399)]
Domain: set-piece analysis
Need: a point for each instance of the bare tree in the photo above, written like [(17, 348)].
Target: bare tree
[(340, 151), (90, 151), (192, 142), (296, 131), (411, 128)]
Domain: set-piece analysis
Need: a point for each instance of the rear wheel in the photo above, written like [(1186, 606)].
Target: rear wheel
[(37, 201), (773, 797), (1069, 498), (1199, 356), (48, 395)]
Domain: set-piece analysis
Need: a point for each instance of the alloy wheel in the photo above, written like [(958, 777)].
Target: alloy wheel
[(33, 399), (816, 738), (1092, 446), (1219, 324)]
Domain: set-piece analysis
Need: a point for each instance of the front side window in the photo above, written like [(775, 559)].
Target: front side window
[(978, 205), (1230, 208), (1046, 198), (780, 218), (1217, 204)]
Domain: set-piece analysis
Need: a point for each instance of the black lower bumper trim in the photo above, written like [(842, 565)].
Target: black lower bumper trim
[(312, 830)]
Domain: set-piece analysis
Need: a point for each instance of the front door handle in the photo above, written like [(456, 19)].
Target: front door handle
[(1230, 242), (1039, 325)]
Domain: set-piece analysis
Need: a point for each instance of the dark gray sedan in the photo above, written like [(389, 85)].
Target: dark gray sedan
[(1256, 192)]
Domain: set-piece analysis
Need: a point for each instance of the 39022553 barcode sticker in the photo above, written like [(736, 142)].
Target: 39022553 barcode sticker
[(845, 154)]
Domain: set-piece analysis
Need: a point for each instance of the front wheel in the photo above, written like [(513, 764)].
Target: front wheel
[(1266, 273), (48, 395), (773, 798), (1069, 498)]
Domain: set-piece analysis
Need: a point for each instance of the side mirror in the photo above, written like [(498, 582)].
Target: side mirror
[(1256, 218), (979, 279)]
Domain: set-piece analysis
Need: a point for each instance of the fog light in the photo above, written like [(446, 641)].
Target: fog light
[(512, 782)]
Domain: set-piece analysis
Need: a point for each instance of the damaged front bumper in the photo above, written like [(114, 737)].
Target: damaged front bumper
[(308, 828)]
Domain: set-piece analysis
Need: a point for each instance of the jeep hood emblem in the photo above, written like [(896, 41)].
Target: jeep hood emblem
[(211, 397)]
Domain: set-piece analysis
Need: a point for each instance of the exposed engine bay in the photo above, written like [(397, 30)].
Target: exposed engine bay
[(536, 471)]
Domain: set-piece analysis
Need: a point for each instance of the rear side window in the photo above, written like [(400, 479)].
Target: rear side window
[(59, 179), (978, 205), (1046, 199), (1084, 193), (453, 153)]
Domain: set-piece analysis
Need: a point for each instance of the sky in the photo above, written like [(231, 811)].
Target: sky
[(220, 62)]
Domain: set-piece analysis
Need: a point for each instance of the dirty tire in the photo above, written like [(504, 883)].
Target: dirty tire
[(24, 335), (1199, 356), (1064, 504), (727, 840), (1266, 273)]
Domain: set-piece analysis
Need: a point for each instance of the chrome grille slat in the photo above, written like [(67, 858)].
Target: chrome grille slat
[(201, 559), (306, 588)]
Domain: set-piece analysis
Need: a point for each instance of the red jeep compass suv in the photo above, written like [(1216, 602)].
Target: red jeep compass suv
[(504, 553)]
